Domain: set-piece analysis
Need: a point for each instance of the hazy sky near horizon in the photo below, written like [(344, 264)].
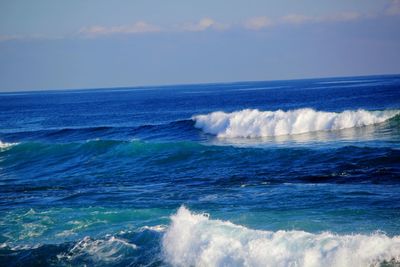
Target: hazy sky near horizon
[(54, 44)]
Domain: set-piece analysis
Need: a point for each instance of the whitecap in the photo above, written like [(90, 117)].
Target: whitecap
[(196, 240), (4, 145), (252, 123)]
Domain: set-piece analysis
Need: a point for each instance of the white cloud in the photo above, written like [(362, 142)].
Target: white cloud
[(202, 25), (144, 27), (258, 23), (393, 8), (138, 27)]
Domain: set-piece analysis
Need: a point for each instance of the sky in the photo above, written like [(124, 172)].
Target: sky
[(74, 44)]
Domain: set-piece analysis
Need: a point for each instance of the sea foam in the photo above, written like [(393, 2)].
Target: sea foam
[(196, 240), (4, 145), (253, 123), (100, 251)]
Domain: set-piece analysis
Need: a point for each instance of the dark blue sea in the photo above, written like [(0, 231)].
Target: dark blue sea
[(274, 173)]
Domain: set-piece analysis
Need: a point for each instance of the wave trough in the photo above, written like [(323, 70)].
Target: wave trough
[(253, 123), (196, 240)]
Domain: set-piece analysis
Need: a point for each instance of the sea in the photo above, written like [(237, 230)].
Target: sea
[(266, 173)]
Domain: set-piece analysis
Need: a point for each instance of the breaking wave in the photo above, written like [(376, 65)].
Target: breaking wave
[(253, 123), (196, 240)]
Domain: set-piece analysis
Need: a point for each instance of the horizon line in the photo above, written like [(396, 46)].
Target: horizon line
[(144, 87)]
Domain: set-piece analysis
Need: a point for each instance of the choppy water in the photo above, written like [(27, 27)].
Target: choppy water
[(282, 173)]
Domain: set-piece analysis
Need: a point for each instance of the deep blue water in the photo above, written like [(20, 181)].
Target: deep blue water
[(92, 177)]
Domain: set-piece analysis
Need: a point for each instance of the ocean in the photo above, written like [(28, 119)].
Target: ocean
[(268, 173)]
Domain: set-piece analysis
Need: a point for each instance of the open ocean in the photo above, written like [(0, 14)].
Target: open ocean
[(277, 173)]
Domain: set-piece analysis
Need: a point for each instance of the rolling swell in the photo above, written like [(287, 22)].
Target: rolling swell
[(181, 129), (302, 125), (347, 164)]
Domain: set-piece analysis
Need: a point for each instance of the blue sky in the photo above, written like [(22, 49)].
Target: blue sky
[(58, 44)]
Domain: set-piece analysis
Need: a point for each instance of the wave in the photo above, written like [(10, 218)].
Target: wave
[(252, 123), (103, 145), (369, 164), (169, 130), (196, 240)]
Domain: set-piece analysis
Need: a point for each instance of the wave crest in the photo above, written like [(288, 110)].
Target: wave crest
[(195, 240), (253, 123)]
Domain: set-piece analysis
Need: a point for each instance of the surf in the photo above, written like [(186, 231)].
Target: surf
[(196, 240), (253, 123)]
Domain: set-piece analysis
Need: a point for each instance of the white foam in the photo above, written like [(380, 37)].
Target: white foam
[(253, 123), (157, 228), (4, 145), (110, 249), (196, 240)]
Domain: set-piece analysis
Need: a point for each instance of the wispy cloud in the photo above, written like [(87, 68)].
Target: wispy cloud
[(202, 25), (342, 17), (138, 27), (295, 19), (258, 23), (209, 24), (4, 38), (337, 17), (16, 37), (144, 27), (393, 8)]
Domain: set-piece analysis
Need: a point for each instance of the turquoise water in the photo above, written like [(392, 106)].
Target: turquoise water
[(281, 173)]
